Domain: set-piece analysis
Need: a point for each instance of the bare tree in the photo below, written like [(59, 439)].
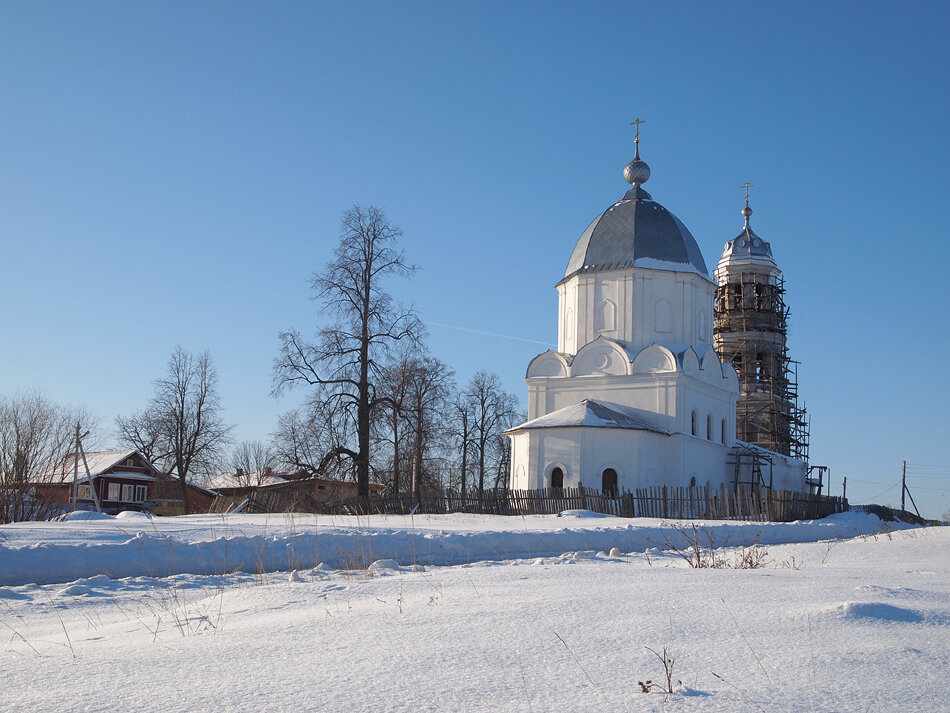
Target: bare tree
[(431, 383), (347, 354), (145, 432), (36, 436), (250, 460), (395, 382), (309, 439), (491, 410), (182, 425), (462, 422)]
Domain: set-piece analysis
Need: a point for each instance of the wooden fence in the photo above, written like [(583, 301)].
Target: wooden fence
[(678, 503)]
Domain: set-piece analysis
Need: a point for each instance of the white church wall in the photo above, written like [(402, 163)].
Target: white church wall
[(670, 307)]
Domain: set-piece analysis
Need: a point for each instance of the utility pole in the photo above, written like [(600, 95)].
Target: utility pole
[(844, 488), (903, 484)]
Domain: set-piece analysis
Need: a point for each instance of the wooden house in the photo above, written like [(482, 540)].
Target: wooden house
[(123, 480)]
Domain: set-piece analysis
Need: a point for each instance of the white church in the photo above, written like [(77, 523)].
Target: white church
[(635, 394)]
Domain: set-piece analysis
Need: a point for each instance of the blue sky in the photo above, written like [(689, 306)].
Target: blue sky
[(174, 173)]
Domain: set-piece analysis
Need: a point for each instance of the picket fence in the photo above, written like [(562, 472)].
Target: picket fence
[(662, 501)]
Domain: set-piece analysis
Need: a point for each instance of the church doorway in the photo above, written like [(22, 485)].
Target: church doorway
[(608, 484), (557, 478)]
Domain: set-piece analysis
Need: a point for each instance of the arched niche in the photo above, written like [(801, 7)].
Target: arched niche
[(711, 367), (690, 362), (549, 364), (663, 316), (605, 316), (600, 356), (654, 359)]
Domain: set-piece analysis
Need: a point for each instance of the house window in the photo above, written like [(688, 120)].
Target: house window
[(693, 428), (130, 461), (557, 478), (141, 493), (609, 483), (128, 493), (83, 492), (114, 492)]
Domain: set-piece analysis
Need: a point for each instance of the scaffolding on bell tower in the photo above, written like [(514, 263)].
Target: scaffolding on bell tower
[(750, 330)]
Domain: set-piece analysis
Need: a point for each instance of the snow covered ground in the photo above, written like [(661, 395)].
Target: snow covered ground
[(469, 614)]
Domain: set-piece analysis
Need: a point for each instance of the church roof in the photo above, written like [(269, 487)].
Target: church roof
[(747, 245), (636, 231), (591, 413)]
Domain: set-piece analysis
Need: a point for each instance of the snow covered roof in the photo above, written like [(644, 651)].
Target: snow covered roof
[(593, 414), (98, 462), (247, 480), (636, 231)]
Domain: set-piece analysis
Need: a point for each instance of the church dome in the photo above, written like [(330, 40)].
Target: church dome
[(747, 246), (636, 231)]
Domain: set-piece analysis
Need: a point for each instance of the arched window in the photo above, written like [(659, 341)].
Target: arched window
[(708, 427), (723, 430), (692, 482), (557, 478), (693, 427), (609, 483)]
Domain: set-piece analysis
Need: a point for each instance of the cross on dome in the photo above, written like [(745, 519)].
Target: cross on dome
[(637, 171), (747, 211)]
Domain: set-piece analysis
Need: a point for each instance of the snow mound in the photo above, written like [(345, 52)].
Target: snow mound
[(582, 514), (876, 611), (133, 515), (86, 515), (384, 567)]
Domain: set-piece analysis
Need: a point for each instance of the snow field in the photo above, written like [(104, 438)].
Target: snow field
[(853, 625)]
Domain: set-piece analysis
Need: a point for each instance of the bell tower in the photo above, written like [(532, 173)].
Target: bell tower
[(750, 330)]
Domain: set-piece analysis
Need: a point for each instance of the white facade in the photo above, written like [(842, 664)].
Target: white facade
[(635, 391)]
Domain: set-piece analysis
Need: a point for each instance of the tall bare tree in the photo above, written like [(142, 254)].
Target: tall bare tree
[(430, 387), (491, 410), (462, 432), (390, 425), (347, 354), (36, 435), (183, 426)]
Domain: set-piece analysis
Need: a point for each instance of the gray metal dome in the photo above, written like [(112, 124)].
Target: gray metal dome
[(747, 244), (636, 232)]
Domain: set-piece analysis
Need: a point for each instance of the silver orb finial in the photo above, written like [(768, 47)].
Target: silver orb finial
[(637, 171)]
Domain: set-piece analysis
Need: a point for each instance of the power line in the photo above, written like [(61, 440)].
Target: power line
[(873, 497)]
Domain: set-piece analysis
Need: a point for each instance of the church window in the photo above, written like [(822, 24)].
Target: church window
[(694, 429), (609, 483), (557, 478), (723, 430), (692, 482), (708, 428)]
